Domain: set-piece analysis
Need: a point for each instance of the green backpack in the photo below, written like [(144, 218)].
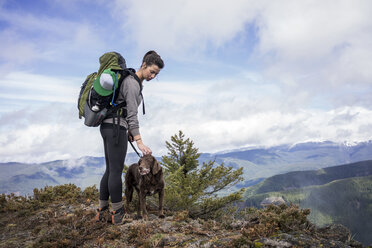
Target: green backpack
[(100, 89)]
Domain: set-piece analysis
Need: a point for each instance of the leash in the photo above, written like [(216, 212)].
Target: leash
[(134, 149)]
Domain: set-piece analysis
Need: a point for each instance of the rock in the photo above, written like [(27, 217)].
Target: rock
[(167, 241), (275, 243), (238, 224), (276, 200), (166, 227)]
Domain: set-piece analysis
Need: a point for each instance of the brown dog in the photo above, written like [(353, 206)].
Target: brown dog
[(146, 177)]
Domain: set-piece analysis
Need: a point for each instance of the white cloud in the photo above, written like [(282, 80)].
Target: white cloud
[(215, 120), (266, 128), (18, 86), (29, 38), (178, 28), (244, 114), (50, 132), (309, 49), (14, 50), (47, 142), (308, 77), (316, 47), (308, 29)]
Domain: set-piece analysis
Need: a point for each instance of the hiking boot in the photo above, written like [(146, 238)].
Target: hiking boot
[(117, 216), (103, 214)]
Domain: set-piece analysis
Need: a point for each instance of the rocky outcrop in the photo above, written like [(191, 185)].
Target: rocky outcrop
[(275, 200), (67, 220)]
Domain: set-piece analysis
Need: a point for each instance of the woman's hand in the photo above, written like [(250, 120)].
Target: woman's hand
[(144, 149)]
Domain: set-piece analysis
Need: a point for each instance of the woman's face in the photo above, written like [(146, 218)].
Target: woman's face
[(150, 72)]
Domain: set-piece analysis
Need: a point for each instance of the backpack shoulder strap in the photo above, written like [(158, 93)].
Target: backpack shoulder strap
[(132, 72)]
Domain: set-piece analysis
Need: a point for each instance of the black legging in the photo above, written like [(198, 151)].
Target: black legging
[(115, 152)]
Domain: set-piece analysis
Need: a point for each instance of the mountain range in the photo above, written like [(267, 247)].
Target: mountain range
[(257, 163), (260, 163), (339, 194)]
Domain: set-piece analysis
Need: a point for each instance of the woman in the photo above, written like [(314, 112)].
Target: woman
[(116, 139)]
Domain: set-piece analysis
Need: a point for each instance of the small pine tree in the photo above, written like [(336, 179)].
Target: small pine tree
[(195, 188)]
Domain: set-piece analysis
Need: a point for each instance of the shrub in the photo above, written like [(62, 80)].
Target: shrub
[(194, 187), (272, 219)]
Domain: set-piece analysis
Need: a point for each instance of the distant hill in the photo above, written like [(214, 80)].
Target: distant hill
[(299, 179), (22, 178), (260, 163), (257, 163), (340, 194)]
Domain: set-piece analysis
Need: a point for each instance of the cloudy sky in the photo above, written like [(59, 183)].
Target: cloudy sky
[(238, 73)]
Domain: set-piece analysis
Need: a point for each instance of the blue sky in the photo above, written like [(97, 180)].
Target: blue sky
[(237, 73)]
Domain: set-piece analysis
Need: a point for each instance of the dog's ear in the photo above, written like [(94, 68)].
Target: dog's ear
[(156, 167)]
